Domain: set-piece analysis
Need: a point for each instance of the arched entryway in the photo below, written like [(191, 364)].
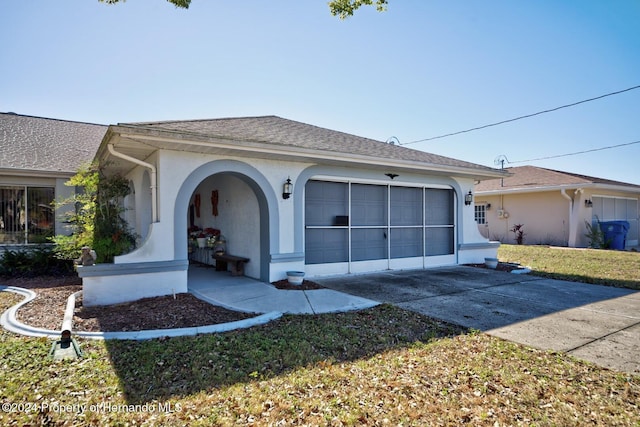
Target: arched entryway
[(245, 212)]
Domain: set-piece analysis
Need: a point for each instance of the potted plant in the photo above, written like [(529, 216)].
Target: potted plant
[(202, 240), (491, 263), (295, 277)]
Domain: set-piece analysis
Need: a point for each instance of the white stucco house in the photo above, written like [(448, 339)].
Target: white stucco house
[(554, 206), (356, 205)]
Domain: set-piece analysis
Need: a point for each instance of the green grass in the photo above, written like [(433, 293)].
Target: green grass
[(603, 267), (378, 366)]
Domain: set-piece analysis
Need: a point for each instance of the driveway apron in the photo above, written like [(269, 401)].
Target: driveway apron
[(600, 324)]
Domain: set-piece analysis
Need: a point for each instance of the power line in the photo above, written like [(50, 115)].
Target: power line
[(576, 153), (523, 117)]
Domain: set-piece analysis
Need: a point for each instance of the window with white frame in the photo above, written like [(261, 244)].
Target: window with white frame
[(26, 214), (480, 213)]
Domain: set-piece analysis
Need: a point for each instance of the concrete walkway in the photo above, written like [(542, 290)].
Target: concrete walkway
[(600, 324), (252, 296), (218, 288)]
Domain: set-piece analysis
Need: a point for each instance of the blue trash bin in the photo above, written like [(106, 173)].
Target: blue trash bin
[(615, 233)]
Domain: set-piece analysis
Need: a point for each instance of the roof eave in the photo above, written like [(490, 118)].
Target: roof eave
[(544, 188), (191, 140), (613, 187), (37, 173), (536, 189)]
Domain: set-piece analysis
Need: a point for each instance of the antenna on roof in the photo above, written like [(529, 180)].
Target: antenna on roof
[(500, 160), (393, 140)]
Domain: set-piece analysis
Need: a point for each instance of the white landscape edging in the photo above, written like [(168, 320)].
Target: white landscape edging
[(9, 322)]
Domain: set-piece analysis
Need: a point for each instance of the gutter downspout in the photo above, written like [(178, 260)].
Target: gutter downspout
[(566, 196), (152, 168), (573, 226)]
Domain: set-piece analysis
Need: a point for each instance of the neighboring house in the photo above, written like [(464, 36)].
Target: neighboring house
[(553, 206), (356, 205), (37, 156)]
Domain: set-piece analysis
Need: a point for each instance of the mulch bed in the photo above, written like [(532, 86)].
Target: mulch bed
[(181, 311), (47, 309), (307, 285), (185, 310)]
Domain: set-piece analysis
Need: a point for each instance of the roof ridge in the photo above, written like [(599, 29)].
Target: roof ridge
[(559, 172), (194, 120), (271, 116), (544, 177), (590, 178), (11, 113)]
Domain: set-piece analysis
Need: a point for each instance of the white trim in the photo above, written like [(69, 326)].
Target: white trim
[(105, 270), (541, 189), (317, 270), (407, 263), (440, 260), (369, 266), (347, 180), (614, 197), (29, 173), (537, 189), (288, 257)]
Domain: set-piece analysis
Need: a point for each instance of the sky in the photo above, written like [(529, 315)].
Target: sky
[(419, 70)]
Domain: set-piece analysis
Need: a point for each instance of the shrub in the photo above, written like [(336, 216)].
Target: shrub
[(97, 220), (39, 261), (596, 236), (519, 232)]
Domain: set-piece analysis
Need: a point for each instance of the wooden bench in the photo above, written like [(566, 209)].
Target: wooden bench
[(237, 263)]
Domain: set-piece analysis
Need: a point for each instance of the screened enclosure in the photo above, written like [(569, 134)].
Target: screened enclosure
[(352, 222)]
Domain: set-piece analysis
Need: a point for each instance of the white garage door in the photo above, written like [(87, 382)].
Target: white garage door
[(618, 209)]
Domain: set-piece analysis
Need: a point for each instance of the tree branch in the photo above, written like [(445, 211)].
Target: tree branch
[(346, 8)]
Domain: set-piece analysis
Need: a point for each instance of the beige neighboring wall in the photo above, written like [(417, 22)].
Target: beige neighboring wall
[(555, 207), (544, 215)]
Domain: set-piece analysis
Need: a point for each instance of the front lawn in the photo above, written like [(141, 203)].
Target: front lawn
[(382, 366), (598, 266)]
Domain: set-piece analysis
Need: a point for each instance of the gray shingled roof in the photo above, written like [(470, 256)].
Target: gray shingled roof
[(278, 131), (528, 177), (47, 145)]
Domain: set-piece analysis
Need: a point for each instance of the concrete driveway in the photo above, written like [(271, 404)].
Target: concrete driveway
[(600, 324)]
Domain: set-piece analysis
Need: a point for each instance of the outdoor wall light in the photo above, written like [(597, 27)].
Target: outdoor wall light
[(468, 198), (588, 203), (287, 189), (488, 206)]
